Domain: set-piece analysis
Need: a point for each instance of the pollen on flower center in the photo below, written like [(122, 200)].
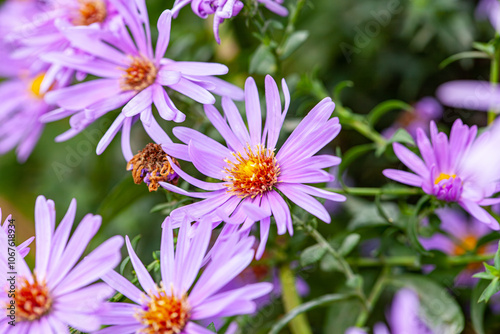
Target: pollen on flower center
[(35, 85), (90, 11), (32, 300), (443, 176), (164, 314), (139, 75), (151, 166), (255, 172)]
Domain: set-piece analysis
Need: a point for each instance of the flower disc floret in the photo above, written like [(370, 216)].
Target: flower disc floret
[(90, 11), (164, 314), (253, 173), (139, 75), (32, 300), (151, 165)]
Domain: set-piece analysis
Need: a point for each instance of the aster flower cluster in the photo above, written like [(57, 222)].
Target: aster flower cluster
[(240, 187)]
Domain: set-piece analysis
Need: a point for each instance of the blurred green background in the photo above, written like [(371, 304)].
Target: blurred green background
[(389, 49)]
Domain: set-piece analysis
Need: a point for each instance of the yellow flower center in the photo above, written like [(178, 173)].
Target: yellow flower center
[(32, 300), (139, 75), (468, 244), (90, 11), (35, 85), (254, 172), (444, 176), (165, 314)]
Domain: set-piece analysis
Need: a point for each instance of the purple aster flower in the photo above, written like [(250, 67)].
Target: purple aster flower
[(22, 249), (223, 9), (58, 293), (220, 9), (132, 75), (453, 170), (178, 301), (22, 106), (425, 110), (462, 237), (405, 317), (250, 170), (469, 94)]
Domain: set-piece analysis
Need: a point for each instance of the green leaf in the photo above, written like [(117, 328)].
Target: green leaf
[(497, 259), (329, 263), (490, 290), (463, 55), (211, 327), (484, 47), (384, 107), (402, 136), (366, 214), (293, 42), (339, 88), (349, 243), (477, 309), (263, 61), (412, 226), (439, 308), (342, 315), (312, 255)]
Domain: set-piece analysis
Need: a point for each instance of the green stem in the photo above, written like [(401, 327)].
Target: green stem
[(291, 300), (373, 297), (494, 73), (325, 244), (414, 261), (377, 191), (358, 123)]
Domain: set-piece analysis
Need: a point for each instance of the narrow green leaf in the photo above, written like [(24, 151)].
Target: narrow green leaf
[(312, 255), (384, 107), (263, 61), (402, 136), (463, 55), (211, 327), (349, 243), (477, 309), (492, 288), (293, 42)]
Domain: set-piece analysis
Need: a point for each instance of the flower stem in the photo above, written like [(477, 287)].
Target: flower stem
[(373, 297), (291, 300), (377, 191), (414, 261), (358, 123), (494, 73)]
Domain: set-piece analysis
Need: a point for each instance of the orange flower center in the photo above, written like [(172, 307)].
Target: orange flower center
[(468, 244), (90, 11), (139, 75), (165, 314), (32, 300), (254, 172)]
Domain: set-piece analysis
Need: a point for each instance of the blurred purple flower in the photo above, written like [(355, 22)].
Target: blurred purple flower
[(462, 169), (275, 6), (250, 171), (132, 75), (57, 294), (470, 94), (425, 110), (463, 235), (22, 106), (23, 248), (489, 9), (169, 308), (404, 318)]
